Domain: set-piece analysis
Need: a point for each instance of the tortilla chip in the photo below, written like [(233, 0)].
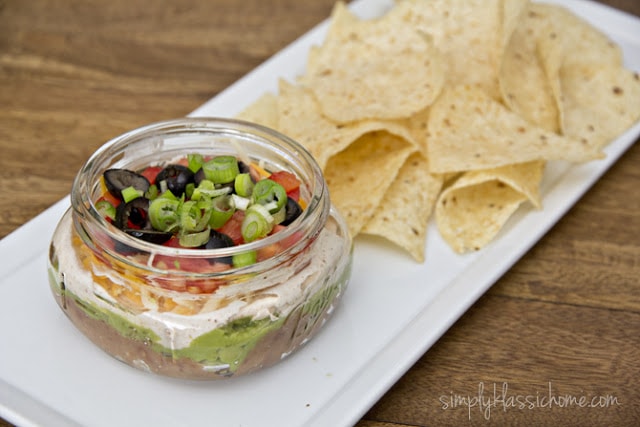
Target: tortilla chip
[(597, 98), (565, 40), (563, 37), (262, 111), (513, 12), (403, 214), (373, 69), (359, 176), (468, 33), (464, 100), (468, 131), (598, 102), (417, 124), (524, 85), (300, 119), (471, 212)]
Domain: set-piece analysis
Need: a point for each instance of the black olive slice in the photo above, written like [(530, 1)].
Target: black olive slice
[(124, 249), (199, 176), (133, 215), (151, 236), (219, 240), (292, 212), (177, 177), (243, 167), (117, 180)]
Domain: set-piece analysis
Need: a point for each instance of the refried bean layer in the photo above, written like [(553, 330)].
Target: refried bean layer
[(299, 326)]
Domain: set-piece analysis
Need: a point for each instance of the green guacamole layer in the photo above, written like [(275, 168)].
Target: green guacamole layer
[(223, 348)]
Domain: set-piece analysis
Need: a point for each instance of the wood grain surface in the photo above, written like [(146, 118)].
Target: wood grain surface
[(564, 321)]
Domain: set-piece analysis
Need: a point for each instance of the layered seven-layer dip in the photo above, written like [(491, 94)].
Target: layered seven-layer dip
[(193, 316)]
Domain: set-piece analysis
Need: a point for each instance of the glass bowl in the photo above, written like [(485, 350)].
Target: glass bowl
[(170, 310)]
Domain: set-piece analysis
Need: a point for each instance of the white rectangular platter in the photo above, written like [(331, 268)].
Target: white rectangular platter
[(393, 311)]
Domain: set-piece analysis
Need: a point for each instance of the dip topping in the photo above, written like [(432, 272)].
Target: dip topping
[(203, 203)]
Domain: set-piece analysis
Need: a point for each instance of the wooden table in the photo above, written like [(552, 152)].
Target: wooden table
[(564, 320)]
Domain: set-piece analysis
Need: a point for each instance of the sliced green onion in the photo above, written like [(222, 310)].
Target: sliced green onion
[(152, 192), (241, 203), (222, 209), (271, 206), (106, 209), (257, 223), (194, 240), (198, 193), (206, 184), (195, 162), (243, 184), (166, 194), (245, 258), (280, 216), (207, 188), (204, 203), (163, 214), (163, 186), (221, 169), (192, 218), (267, 191), (189, 188), (130, 193)]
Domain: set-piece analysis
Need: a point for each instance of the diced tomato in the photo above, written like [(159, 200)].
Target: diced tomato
[(287, 179), (200, 286), (185, 264), (112, 200), (276, 248), (151, 173), (201, 266), (289, 241), (109, 198), (294, 194), (233, 227), (173, 242), (293, 239), (277, 228), (196, 265), (290, 183)]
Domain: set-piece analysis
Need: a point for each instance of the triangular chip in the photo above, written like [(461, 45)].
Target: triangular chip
[(299, 117), (262, 111), (418, 127), (563, 40), (359, 176), (471, 212), (373, 69), (523, 82), (468, 130), (468, 33), (403, 214), (513, 12), (599, 102), (461, 101)]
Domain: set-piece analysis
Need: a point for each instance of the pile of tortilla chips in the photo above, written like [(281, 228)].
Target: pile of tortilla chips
[(451, 107)]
